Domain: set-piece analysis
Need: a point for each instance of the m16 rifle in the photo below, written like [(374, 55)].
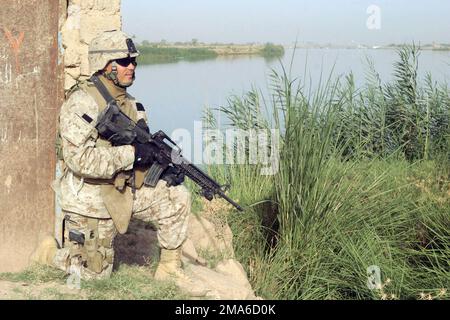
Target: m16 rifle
[(119, 129)]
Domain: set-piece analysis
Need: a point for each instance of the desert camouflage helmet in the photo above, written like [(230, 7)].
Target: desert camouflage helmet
[(110, 45)]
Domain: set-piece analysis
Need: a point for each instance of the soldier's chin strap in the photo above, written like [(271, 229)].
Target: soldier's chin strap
[(114, 77), (113, 74)]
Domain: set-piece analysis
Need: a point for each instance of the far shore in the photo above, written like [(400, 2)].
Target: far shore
[(256, 48), (155, 53), (165, 52), (219, 49), (440, 47)]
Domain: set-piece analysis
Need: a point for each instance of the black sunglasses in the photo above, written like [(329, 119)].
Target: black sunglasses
[(125, 62)]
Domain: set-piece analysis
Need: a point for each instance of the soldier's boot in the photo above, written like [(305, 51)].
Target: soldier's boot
[(170, 268), (45, 252)]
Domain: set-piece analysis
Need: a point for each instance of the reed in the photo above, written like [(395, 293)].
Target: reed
[(364, 180)]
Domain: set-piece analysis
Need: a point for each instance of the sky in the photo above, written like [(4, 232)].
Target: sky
[(285, 21)]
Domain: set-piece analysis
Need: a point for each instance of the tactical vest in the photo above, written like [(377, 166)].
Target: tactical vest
[(88, 87), (117, 194)]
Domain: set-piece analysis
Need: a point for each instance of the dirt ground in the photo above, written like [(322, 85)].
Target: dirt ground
[(42, 291), (138, 246)]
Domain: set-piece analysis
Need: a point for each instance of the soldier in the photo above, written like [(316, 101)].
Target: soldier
[(101, 186)]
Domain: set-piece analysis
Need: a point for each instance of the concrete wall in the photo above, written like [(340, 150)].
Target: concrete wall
[(43, 50), (31, 90)]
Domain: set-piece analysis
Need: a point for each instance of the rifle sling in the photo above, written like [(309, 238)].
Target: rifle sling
[(102, 89)]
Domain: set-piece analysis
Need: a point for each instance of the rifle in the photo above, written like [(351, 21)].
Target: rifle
[(119, 129)]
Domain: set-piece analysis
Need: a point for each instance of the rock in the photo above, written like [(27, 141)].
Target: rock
[(69, 82), (221, 286), (234, 269), (190, 254), (73, 72), (206, 237), (228, 281)]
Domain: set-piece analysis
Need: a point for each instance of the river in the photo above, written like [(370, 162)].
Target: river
[(175, 94)]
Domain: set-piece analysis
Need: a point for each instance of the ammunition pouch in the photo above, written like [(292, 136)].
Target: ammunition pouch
[(94, 259), (87, 248)]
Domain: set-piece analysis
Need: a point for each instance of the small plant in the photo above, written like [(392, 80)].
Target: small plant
[(131, 283), (440, 295)]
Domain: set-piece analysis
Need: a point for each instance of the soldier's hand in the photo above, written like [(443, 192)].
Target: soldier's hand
[(144, 154), (173, 177)]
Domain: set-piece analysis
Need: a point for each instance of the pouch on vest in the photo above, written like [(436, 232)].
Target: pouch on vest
[(119, 205), (93, 256), (139, 177)]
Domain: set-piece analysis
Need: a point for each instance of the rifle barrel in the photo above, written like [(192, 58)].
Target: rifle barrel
[(224, 196)]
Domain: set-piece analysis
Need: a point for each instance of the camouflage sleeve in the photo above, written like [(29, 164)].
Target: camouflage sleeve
[(77, 127)]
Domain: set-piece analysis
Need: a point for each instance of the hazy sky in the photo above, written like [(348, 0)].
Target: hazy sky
[(282, 21)]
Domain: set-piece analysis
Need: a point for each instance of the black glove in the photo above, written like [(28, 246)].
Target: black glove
[(143, 125), (173, 177), (145, 154)]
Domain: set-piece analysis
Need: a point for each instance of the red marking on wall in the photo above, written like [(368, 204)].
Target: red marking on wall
[(15, 44)]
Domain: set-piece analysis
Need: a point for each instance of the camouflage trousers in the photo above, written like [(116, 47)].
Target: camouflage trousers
[(167, 208)]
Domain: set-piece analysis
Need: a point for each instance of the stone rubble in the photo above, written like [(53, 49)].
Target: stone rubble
[(85, 19), (228, 280)]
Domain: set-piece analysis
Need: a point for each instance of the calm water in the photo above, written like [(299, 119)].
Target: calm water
[(175, 94)]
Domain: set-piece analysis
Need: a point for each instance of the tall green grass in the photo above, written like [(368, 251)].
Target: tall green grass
[(397, 116), (364, 180)]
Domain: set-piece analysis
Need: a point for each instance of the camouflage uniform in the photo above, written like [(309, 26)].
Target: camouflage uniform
[(92, 168)]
